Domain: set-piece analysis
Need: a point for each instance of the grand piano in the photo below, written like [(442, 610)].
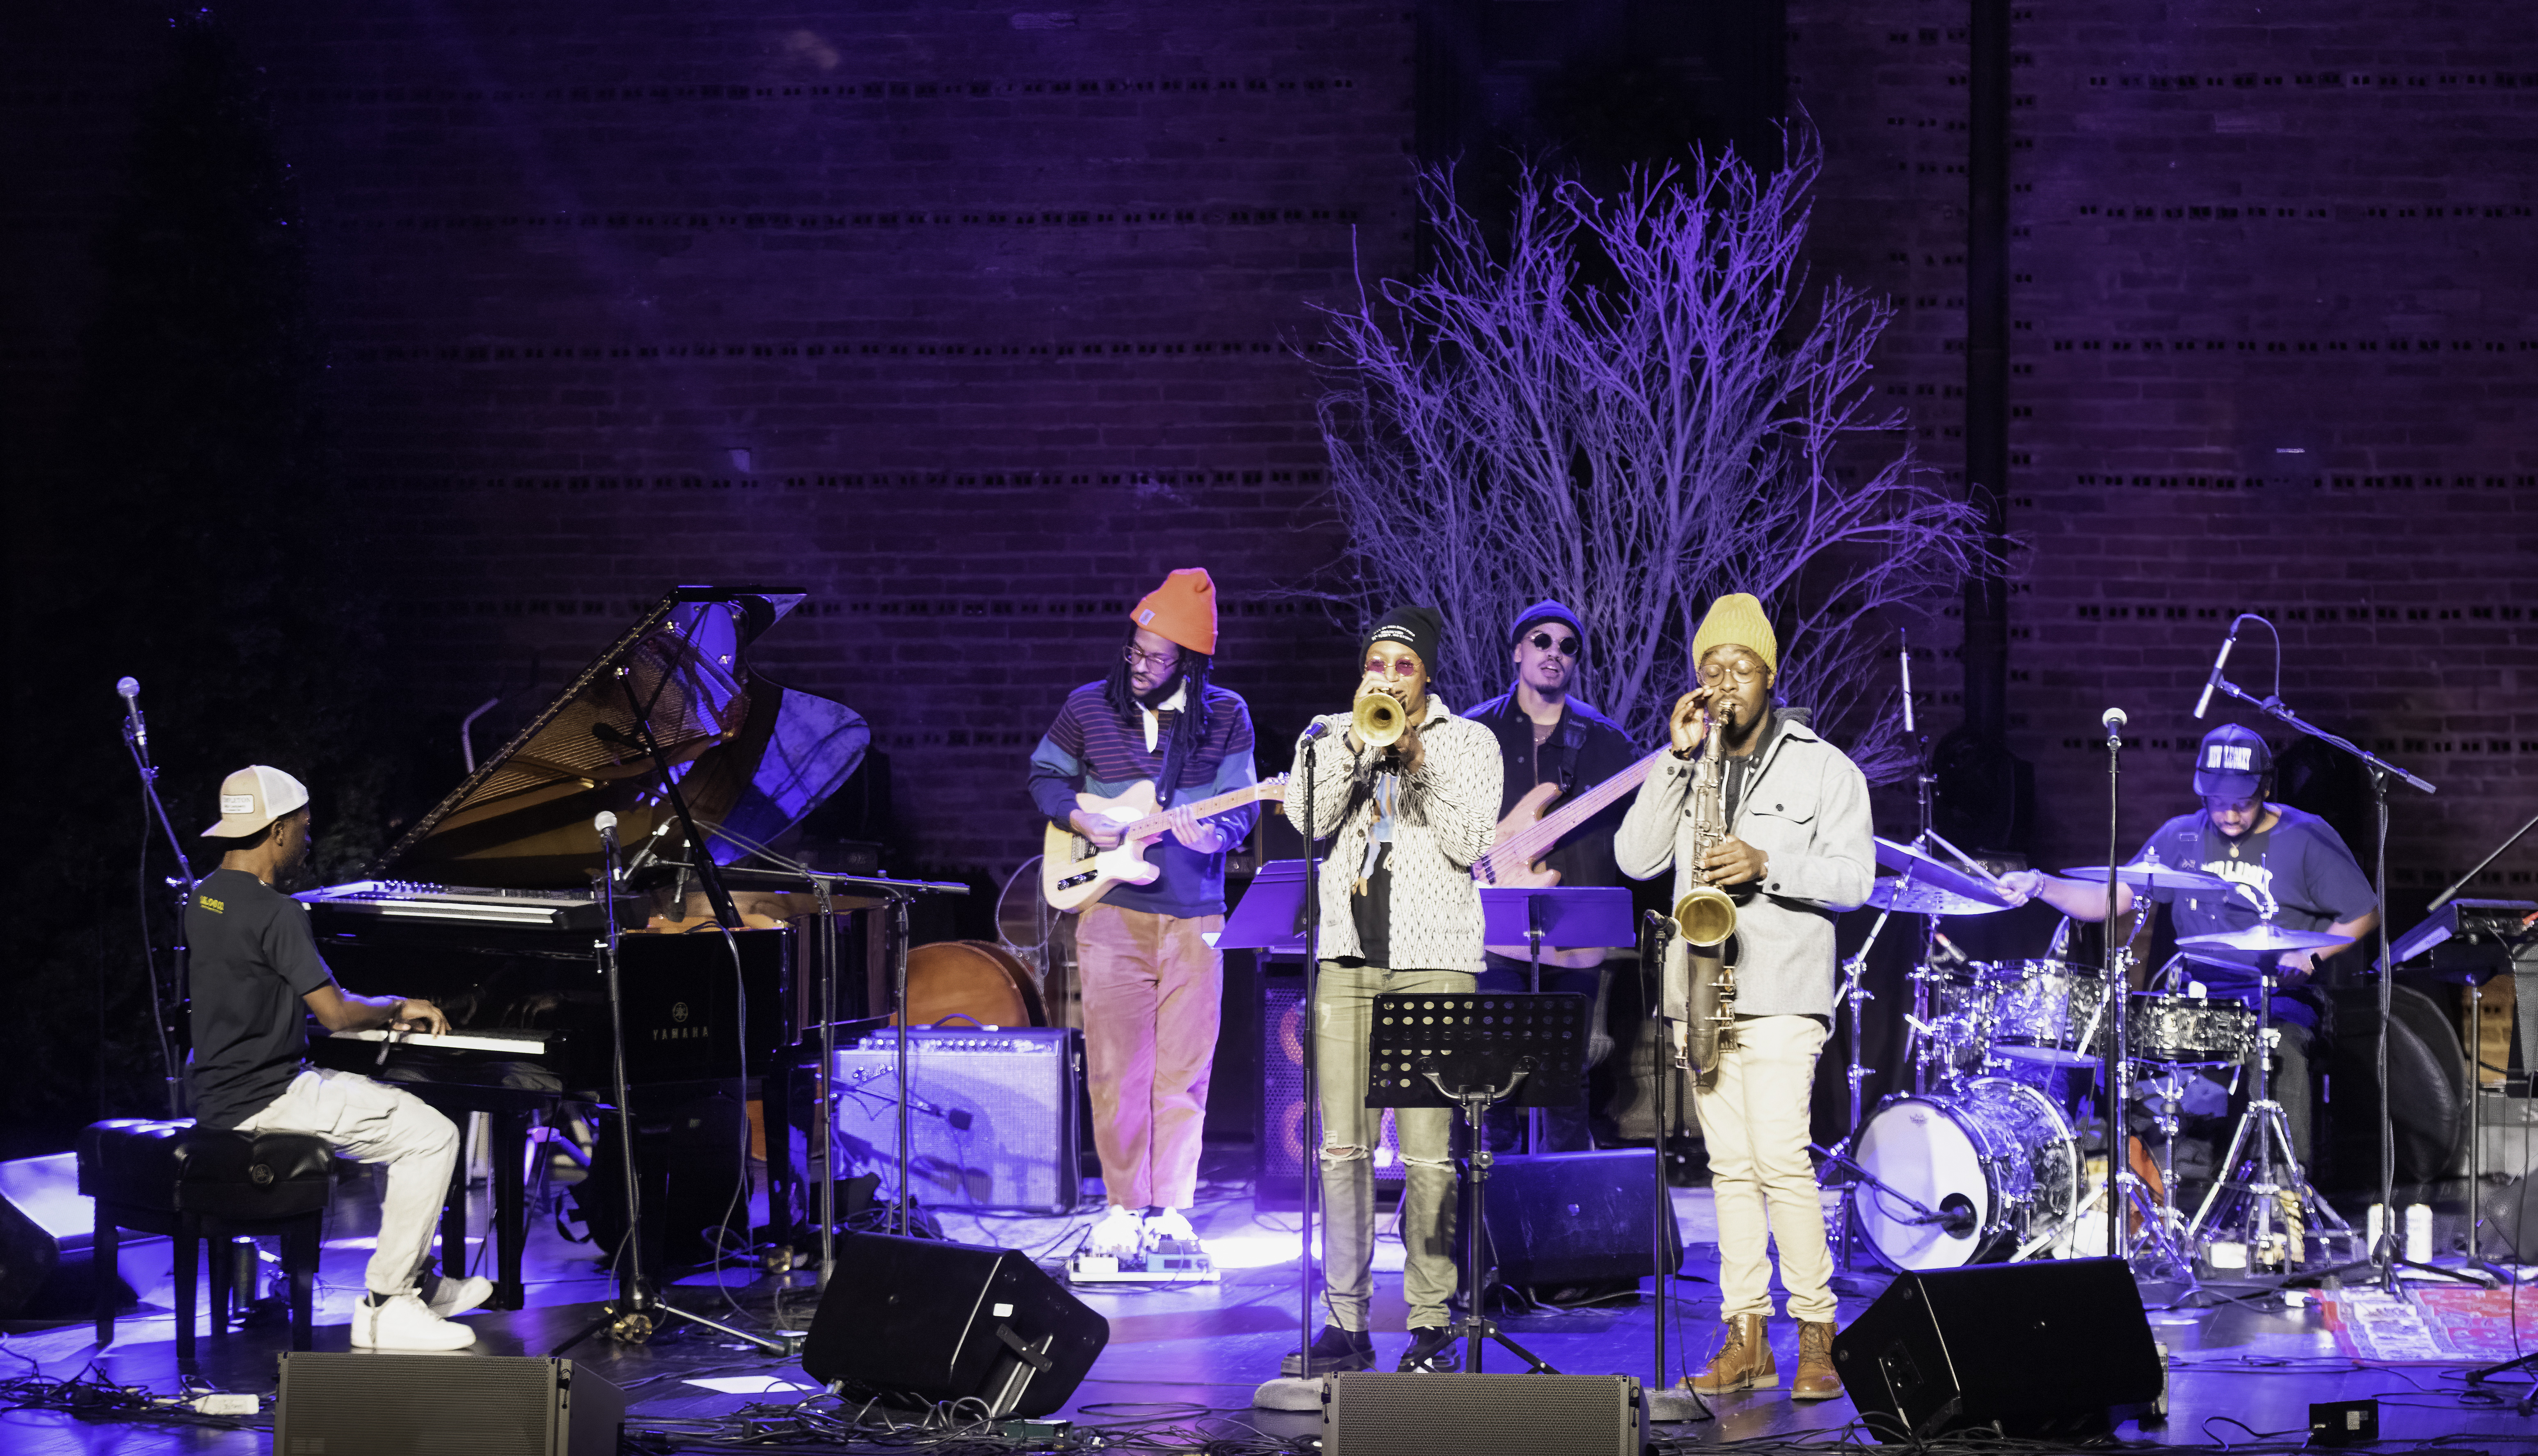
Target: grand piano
[(487, 905)]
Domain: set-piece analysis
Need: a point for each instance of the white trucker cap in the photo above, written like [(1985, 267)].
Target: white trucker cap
[(255, 797)]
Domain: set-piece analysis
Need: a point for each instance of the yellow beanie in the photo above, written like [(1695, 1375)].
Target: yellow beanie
[(1737, 620)]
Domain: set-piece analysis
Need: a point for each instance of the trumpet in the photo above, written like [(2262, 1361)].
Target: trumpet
[(1378, 719)]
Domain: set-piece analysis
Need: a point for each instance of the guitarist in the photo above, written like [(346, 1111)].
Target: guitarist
[(1553, 745), (1151, 982)]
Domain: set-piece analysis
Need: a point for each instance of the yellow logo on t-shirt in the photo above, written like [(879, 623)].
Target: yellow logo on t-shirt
[(211, 904)]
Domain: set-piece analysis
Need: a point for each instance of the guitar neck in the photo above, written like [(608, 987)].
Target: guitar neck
[(1529, 844), (1156, 824)]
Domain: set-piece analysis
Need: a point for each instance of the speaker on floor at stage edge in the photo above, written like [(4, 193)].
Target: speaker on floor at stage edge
[(1571, 1218), (1365, 1414), (374, 1404), (2511, 1220), (1278, 1131), (2051, 1348), (994, 1114), (912, 1322)]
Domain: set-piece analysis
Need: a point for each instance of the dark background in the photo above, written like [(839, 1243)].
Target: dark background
[(363, 363)]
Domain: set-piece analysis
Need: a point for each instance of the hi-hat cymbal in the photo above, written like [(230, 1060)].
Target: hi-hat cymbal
[(1893, 894), (1926, 873), (2146, 876), (2261, 938)]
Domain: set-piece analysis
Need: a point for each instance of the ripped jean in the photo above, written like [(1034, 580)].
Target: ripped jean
[(1345, 1005)]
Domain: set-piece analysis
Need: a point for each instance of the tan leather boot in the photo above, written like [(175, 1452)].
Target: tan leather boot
[(1815, 1380), (1743, 1363)]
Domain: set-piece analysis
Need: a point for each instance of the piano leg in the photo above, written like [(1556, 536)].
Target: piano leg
[(781, 1179), (511, 1207), (453, 1224)]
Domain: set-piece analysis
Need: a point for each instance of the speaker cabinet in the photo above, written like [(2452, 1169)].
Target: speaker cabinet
[(1371, 1415), (2045, 1349), (914, 1321), (992, 1115), (1578, 1218), (1277, 1134), (368, 1404), (2511, 1218)]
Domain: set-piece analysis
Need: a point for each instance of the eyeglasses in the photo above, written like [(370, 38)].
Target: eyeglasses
[(1744, 670), (1399, 666), (1134, 655), (1542, 642)]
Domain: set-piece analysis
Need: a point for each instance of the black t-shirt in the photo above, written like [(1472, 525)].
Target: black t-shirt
[(2297, 873), (251, 958)]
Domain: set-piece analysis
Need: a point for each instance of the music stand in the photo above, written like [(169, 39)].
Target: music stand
[(1471, 1050), (1270, 915), (1562, 917)]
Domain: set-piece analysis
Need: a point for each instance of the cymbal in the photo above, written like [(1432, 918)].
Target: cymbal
[(1926, 873), (1892, 893), (2151, 876), (2261, 938)]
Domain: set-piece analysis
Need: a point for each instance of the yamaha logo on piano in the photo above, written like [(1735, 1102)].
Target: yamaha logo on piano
[(679, 1012)]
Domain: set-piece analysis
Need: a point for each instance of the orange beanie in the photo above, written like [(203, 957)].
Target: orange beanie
[(1182, 609)]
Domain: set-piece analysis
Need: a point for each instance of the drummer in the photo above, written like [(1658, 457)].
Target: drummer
[(2284, 866)]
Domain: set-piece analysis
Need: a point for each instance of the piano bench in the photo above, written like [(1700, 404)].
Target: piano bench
[(193, 1184)]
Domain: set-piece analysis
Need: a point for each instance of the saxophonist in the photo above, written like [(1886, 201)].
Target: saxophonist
[(1796, 851)]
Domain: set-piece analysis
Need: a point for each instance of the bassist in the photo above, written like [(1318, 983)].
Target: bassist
[(1553, 746), (1152, 981)]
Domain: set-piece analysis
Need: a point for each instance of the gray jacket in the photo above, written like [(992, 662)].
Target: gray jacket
[(1806, 808), (1435, 907)]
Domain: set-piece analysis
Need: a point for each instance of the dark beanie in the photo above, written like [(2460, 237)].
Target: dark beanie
[(1543, 611), (1419, 629)]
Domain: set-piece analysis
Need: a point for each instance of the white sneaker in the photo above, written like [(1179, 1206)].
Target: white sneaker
[(1118, 1235), (450, 1297), (404, 1322), (1170, 1224)]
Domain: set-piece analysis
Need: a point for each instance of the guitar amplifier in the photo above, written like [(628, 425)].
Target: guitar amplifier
[(992, 1115), (1278, 1131)]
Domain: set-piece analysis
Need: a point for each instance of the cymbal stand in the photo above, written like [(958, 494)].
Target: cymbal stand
[(2248, 1183), (1853, 994), (2169, 1242)]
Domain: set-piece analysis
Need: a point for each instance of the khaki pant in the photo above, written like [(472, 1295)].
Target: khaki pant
[(372, 1122), (1153, 999), (1755, 1122), (1344, 998)]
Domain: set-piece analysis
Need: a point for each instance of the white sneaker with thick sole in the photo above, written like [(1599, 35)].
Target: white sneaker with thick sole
[(1118, 1235), (404, 1322), (452, 1297), (1171, 1224)]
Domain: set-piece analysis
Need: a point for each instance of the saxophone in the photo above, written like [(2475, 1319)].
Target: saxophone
[(1705, 918)]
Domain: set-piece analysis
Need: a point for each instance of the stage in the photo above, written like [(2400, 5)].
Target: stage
[(1183, 1362)]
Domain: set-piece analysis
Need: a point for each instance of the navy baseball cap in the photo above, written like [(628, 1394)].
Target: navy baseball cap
[(2231, 762)]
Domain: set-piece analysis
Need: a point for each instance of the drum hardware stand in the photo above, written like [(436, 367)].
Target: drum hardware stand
[(2383, 1262), (165, 1009), (2265, 1124), (1854, 993)]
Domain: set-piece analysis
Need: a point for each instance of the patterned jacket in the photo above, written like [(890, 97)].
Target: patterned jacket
[(1450, 812)]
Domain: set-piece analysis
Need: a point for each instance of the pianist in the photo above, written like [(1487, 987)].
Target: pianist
[(256, 977)]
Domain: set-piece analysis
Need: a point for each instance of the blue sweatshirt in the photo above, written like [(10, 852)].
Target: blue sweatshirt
[(1090, 749)]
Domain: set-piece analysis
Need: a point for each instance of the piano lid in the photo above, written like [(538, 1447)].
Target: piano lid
[(523, 817)]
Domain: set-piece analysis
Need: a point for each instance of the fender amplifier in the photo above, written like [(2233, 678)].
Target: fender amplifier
[(1277, 1134), (409, 1404), (992, 1114)]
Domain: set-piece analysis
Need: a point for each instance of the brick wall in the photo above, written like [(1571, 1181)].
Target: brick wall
[(972, 321)]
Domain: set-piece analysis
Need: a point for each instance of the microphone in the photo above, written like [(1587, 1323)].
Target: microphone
[(130, 690), (1315, 730), (2113, 720), (1947, 951), (1904, 650), (2214, 680)]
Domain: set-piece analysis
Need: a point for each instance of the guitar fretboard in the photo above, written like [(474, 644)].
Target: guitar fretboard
[(1528, 844)]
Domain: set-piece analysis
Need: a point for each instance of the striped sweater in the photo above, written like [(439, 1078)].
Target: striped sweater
[(1090, 749)]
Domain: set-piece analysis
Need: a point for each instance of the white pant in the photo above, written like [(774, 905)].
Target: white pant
[(372, 1122), (1755, 1124)]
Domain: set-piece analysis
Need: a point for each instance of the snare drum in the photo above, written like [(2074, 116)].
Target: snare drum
[(2045, 1010), (2189, 1030), (1997, 1159)]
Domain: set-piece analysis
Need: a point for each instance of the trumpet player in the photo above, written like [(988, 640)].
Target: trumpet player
[(1797, 850), (1408, 794)]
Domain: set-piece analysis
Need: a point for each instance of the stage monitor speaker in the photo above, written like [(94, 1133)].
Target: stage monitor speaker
[(1382, 1415), (992, 1114), (1576, 1219), (1278, 1133), (2511, 1216), (427, 1405), (913, 1322), (2045, 1350)]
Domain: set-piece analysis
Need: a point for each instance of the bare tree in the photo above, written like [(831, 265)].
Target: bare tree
[(1634, 403)]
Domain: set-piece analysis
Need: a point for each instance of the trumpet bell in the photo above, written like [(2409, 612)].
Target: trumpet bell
[(1707, 915), (1378, 719)]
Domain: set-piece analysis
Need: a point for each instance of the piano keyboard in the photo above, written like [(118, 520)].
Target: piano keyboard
[(499, 1040), (458, 904)]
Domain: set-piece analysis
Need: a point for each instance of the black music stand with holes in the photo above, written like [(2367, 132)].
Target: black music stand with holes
[(1472, 1051)]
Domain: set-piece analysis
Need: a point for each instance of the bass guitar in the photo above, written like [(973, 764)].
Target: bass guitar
[(1073, 873), (1527, 833)]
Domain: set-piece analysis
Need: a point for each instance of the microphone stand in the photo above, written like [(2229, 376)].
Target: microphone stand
[(164, 1009), (2114, 1001), (1308, 1120)]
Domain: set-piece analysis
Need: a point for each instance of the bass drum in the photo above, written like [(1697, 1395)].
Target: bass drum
[(1996, 1162)]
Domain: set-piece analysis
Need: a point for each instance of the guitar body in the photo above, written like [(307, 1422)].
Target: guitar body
[(1074, 874), (1529, 830)]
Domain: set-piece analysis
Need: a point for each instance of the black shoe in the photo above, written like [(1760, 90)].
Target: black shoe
[(1334, 1350), (1432, 1351)]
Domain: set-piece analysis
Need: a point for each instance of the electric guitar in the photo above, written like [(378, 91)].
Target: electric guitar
[(1514, 857), (1074, 874)]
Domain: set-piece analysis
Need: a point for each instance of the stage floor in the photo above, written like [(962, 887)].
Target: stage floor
[(1190, 1357)]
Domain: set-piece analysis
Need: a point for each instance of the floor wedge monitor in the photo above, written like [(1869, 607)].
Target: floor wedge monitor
[(914, 1322)]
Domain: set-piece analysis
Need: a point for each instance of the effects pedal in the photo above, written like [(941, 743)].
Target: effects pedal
[(1161, 1261)]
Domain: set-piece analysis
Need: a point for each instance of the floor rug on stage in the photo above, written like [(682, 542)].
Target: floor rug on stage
[(2432, 1326)]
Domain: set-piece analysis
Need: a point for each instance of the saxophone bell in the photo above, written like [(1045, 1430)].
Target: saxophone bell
[(1378, 719), (1707, 916)]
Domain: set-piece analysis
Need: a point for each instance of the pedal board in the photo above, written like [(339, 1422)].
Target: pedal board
[(1169, 1261)]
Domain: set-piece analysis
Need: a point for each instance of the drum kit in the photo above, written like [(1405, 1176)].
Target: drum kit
[(1983, 1158)]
